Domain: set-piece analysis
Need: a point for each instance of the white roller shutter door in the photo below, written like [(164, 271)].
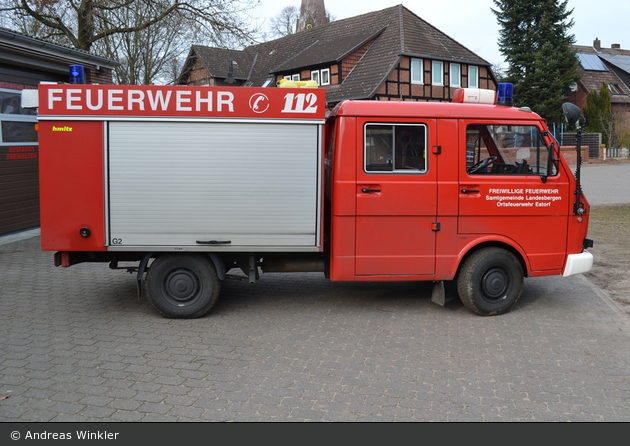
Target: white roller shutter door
[(238, 184)]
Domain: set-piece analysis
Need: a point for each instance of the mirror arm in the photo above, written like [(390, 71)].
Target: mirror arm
[(578, 205), (551, 161)]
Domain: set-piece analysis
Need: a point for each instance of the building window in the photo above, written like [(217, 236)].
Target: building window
[(473, 76), (325, 76), (416, 71), (437, 73), (615, 89), (455, 75), (17, 125), (322, 77), (292, 77)]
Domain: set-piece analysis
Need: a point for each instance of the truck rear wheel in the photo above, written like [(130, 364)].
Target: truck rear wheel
[(490, 281), (182, 286)]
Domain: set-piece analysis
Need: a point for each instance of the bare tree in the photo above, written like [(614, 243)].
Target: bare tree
[(148, 37), (82, 23), (147, 56), (284, 23)]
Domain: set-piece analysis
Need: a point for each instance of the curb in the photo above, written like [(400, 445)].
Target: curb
[(19, 236)]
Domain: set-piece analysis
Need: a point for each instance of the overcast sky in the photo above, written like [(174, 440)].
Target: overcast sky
[(472, 23)]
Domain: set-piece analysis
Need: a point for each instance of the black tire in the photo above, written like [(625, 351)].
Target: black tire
[(182, 286), (490, 281)]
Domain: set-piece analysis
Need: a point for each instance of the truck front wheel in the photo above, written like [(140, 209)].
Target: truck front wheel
[(490, 281), (182, 286)]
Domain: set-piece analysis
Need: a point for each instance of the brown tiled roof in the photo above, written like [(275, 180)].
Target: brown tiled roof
[(591, 50), (396, 32), (617, 61)]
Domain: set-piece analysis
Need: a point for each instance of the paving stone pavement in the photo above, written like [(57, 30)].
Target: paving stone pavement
[(606, 183), (77, 345)]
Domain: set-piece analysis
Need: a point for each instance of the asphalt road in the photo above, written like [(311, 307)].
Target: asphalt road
[(77, 345), (606, 183)]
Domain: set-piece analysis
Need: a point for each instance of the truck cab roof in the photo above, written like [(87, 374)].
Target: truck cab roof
[(381, 109)]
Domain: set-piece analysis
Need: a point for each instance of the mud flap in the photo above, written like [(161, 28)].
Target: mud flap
[(141, 269), (438, 295)]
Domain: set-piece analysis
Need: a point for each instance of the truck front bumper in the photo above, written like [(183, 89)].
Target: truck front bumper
[(578, 264)]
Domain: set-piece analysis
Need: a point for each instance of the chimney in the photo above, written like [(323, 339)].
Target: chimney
[(597, 44), (615, 46)]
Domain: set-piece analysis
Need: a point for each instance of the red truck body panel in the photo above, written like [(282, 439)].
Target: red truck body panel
[(71, 185), (416, 221)]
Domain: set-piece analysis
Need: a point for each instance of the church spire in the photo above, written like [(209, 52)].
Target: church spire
[(312, 13)]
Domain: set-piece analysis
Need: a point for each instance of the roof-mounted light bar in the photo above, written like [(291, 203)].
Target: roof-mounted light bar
[(483, 96), (474, 96)]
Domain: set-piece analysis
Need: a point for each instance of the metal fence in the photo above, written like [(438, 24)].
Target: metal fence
[(592, 140), (617, 152)]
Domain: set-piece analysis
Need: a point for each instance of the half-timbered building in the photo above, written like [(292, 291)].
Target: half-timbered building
[(391, 55)]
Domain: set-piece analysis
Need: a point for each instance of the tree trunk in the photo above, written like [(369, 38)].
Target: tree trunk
[(86, 24)]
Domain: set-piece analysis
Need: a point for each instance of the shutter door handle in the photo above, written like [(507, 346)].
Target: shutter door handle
[(470, 191), (365, 190)]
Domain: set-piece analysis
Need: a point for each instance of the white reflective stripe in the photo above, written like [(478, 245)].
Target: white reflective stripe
[(578, 264)]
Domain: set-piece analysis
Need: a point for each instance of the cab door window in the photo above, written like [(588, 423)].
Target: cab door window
[(506, 150), (399, 148)]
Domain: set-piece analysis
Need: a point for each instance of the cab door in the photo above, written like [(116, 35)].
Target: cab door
[(502, 194), (396, 198)]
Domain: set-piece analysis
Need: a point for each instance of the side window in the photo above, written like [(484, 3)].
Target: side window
[(506, 150), (399, 148)]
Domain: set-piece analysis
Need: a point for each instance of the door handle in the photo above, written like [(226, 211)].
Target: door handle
[(214, 242), (365, 190), (470, 191)]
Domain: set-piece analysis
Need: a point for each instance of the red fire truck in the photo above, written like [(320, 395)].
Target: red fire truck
[(189, 183)]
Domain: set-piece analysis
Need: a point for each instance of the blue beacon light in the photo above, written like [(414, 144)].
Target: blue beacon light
[(505, 94), (77, 74)]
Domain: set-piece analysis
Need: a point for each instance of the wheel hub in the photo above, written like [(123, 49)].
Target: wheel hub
[(181, 285), (495, 284)]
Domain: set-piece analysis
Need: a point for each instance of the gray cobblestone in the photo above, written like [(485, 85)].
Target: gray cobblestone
[(127, 416), (78, 346)]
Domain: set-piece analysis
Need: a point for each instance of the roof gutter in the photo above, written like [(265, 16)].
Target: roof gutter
[(22, 43), (445, 59)]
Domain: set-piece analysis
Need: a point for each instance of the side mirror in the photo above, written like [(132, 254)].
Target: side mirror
[(572, 113)]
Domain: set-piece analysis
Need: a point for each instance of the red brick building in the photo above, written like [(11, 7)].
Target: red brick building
[(600, 64)]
